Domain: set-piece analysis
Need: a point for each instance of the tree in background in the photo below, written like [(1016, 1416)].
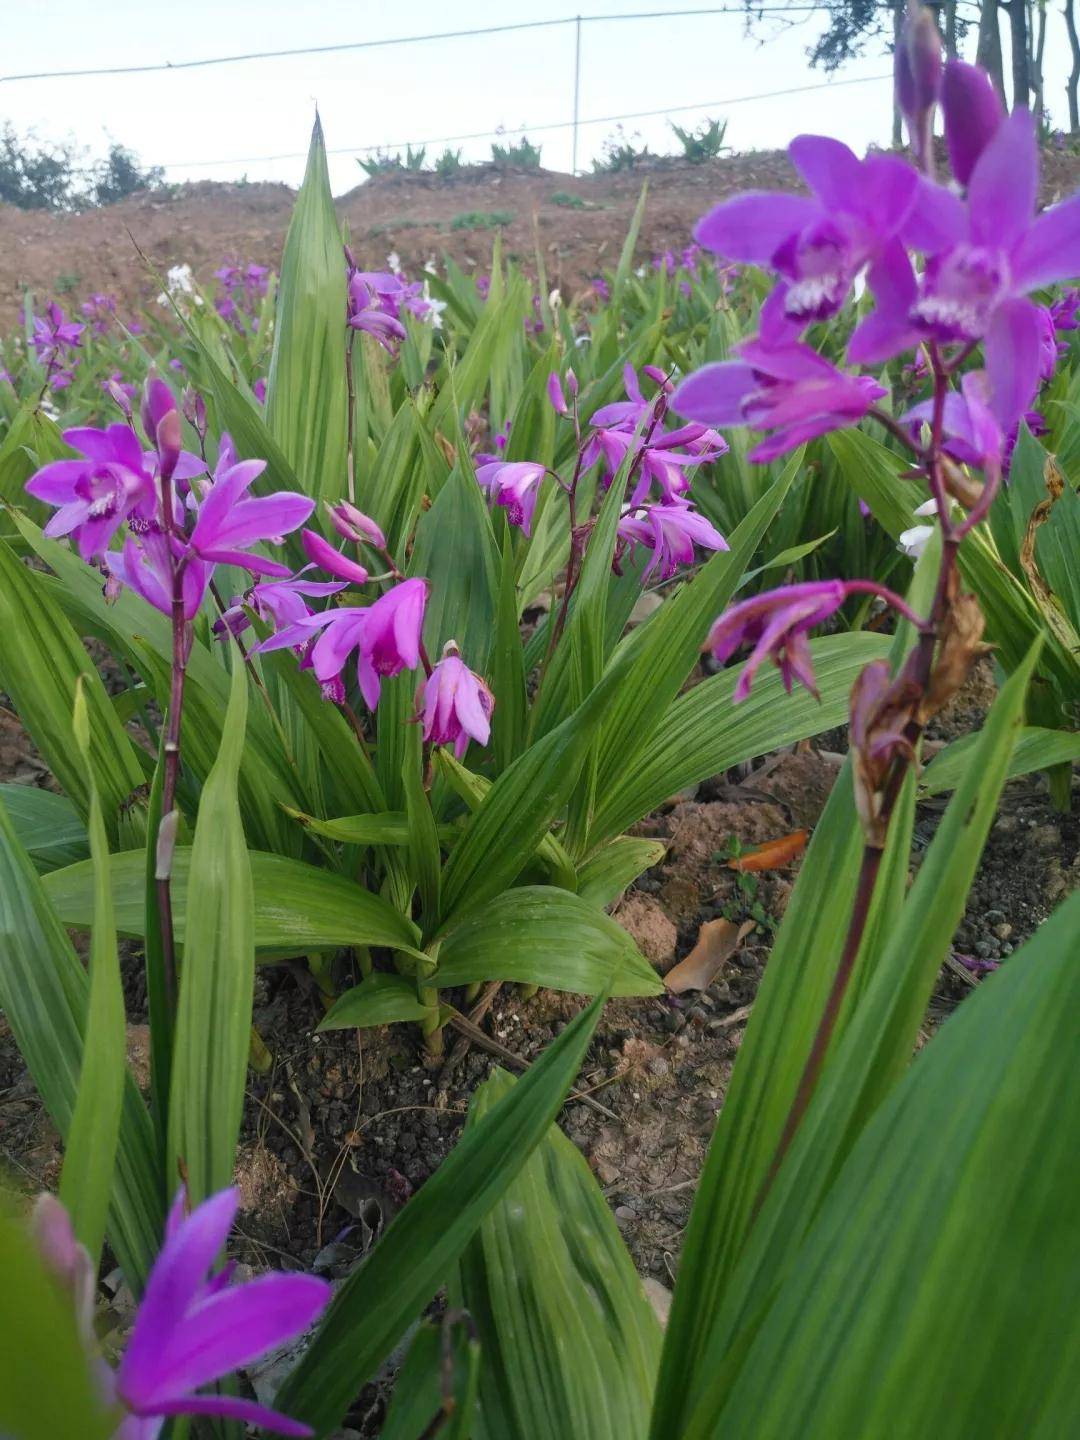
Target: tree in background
[(856, 27), (44, 176)]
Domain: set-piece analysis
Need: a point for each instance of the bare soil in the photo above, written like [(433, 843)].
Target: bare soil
[(418, 216)]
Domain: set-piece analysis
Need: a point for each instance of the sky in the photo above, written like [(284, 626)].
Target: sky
[(216, 123)]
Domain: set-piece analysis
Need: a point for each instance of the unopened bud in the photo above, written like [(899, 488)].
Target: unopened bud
[(353, 524), (555, 394), (194, 407), (571, 382), (118, 396), (973, 111), (918, 76), (168, 439)]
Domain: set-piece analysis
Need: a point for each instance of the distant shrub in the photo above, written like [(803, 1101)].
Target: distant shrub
[(619, 153), (481, 219), (448, 163), (37, 176), (387, 162), (568, 201), (517, 155), (704, 143)]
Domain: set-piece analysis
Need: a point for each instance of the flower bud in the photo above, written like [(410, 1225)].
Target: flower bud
[(353, 524), (194, 407), (320, 552), (555, 394), (918, 76), (973, 112), (572, 380), (119, 397)]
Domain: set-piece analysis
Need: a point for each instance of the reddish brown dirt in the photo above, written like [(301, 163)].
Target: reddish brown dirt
[(203, 223)]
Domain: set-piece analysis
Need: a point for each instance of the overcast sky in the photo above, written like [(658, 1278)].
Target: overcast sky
[(210, 123)]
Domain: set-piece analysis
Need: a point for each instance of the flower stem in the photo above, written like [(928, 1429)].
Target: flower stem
[(350, 421)]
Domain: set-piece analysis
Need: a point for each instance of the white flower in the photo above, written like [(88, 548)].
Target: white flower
[(180, 280), (914, 541), (641, 272), (431, 268), (49, 410), (393, 263), (555, 299), (435, 308)]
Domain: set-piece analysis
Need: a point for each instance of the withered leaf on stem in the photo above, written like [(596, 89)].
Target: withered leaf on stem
[(961, 644)]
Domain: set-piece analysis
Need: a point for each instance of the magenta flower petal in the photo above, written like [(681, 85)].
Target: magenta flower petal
[(830, 168), (888, 330), (937, 219), (320, 552), (1001, 195), (751, 227), (175, 1282), (229, 1407), (715, 393), (228, 1331), (1050, 250), (455, 705), (1013, 356)]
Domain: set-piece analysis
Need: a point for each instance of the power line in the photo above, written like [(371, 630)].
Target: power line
[(528, 129), (747, 11)]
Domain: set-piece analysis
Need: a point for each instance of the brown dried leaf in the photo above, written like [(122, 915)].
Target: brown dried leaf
[(717, 941)]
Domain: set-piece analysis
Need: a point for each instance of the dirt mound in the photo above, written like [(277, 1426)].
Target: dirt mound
[(579, 224)]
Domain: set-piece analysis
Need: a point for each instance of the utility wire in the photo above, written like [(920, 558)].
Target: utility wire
[(748, 11), (528, 129)]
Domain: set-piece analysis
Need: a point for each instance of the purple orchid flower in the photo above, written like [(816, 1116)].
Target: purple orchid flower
[(984, 256), (367, 312), (52, 333), (385, 635), (455, 704), (670, 532), (818, 245), (515, 485), (788, 388), (97, 494), (192, 1330), (775, 623), (143, 565), (281, 602), (229, 524), (320, 552), (100, 311), (600, 288), (1063, 311), (975, 435)]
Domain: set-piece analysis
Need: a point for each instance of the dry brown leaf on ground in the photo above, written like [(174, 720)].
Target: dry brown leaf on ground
[(717, 941), (774, 854)]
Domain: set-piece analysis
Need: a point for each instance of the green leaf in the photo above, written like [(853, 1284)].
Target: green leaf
[(425, 855), (419, 1396), (298, 907), (41, 660), (629, 245), (504, 832), (703, 733), (48, 826), (861, 1339), (306, 399), (604, 877), (540, 935), (44, 994), (569, 1342), (1035, 749), (46, 1386), (90, 1155), (376, 1303), (381, 998), (213, 1018), (778, 1040), (508, 667), (877, 1045), (455, 550)]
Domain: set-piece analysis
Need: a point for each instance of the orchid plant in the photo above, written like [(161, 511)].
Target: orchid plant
[(404, 652)]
